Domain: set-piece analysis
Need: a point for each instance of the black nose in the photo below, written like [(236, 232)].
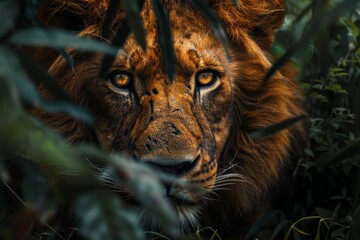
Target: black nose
[(176, 167)]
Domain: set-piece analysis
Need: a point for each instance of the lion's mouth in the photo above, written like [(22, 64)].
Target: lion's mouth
[(177, 170)]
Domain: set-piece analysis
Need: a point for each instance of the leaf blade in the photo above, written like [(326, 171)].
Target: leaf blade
[(133, 18), (60, 39), (165, 39), (214, 24), (275, 128)]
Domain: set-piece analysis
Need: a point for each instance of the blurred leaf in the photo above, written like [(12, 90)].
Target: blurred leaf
[(10, 10), (133, 18), (259, 224), (214, 24), (111, 13), (120, 37), (143, 182), (35, 187), (165, 39), (11, 70), (40, 75), (10, 67), (25, 137), (31, 10), (103, 216), (268, 131), (60, 39), (149, 191)]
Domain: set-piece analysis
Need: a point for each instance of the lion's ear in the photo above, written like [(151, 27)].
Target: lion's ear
[(260, 18), (72, 14)]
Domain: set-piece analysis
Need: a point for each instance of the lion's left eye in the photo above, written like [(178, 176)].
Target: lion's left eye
[(206, 78), (120, 79)]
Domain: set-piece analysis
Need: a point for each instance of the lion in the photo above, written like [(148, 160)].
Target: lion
[(197, 125)]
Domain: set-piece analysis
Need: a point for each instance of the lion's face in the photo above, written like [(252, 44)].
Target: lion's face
[(178, 126), (195, 126)]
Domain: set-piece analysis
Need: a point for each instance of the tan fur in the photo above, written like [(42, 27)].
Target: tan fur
[(213, 124)]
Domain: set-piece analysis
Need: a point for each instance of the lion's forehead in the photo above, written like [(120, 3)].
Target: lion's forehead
[(193, 40), (191, 52)]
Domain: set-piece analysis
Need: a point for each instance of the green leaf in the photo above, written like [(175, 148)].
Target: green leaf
[(9, 12), (268, 131), (12, 70), (165, 39), (103, 216), (120, 37), (28, 139), (133, 18), (214, 24), (40, 75), (60, 39)]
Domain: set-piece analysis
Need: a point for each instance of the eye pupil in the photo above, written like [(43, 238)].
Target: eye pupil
[(206, 78), (120, 80)]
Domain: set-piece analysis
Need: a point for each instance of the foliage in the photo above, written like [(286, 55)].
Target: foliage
[(322, 38), (326, 186)]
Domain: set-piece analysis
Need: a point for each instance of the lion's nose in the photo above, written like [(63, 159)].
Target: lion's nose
[(168, 145), (177, 167)]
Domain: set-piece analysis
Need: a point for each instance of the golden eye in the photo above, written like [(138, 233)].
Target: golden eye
[(120, 79), (206, 78)]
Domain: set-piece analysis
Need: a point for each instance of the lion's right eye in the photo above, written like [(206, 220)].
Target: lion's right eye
[(206, 78), (120, 79)]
